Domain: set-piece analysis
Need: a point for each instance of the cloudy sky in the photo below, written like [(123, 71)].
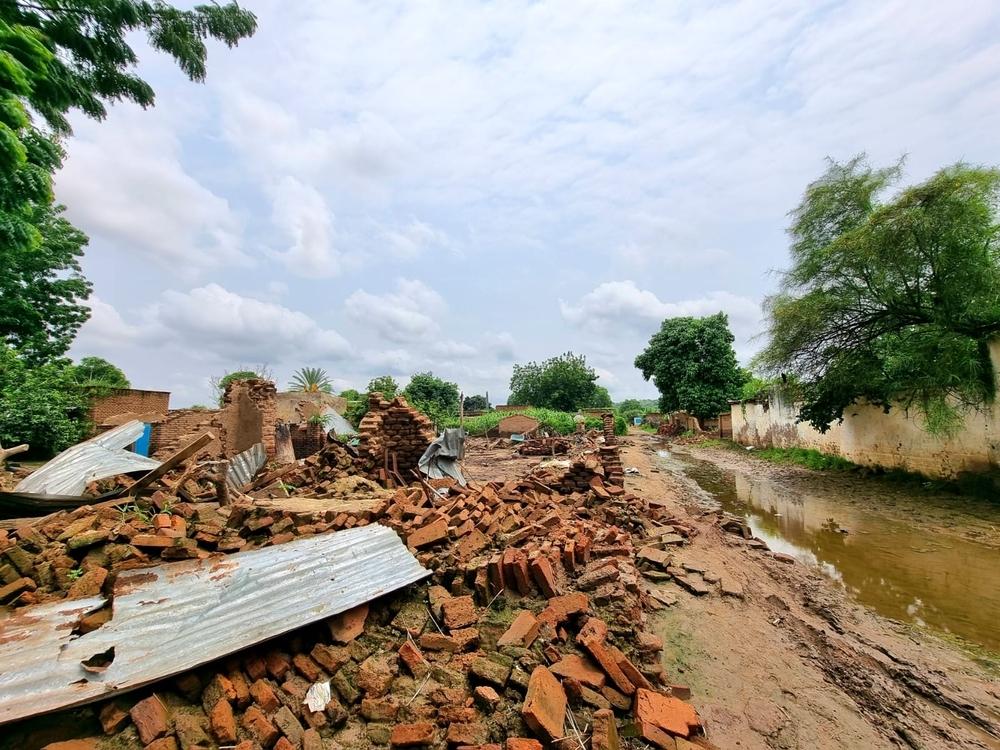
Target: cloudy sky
[(457, 186)]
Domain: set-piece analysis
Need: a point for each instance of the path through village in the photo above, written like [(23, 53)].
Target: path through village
[(796, 662)]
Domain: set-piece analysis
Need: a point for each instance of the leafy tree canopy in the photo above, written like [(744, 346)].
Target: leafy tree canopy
[(384, 384), (890, 300), (311, 380), (98, 377), (435, 397), (692, 364), (475, 403), (42, 405), (56, 56), (564, 383)]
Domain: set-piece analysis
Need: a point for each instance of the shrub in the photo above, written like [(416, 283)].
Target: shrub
[(558, 422)]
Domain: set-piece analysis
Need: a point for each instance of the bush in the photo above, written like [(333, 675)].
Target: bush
[(621, 426), (558, 422)]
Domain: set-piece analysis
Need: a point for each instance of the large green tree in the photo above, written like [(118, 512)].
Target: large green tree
[(57, 56), (564, 383), (890, 301), (435, 397), (43, 405), (692, 364)]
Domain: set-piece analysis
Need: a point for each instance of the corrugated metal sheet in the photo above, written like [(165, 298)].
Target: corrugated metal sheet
[(244, 466), (97, 458), (174, 617)]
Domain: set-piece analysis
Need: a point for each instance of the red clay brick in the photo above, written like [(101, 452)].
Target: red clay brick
[(348, 625), (412, 735), (581, 669), (263, 695), (437, 642), (113, 717), (164, 743), (544, 709), (522, 743), (307, 668), (223, 722), (561, 608), (594, 629), (284, 743), (522, 631), (260, 727), (665, 712), (610, 666), (471, 733), (431, 533), (459, 612), (545, 577), (412, 659), (604, 732), (150, 719), (486, 697), (653, 734), (278, 664)]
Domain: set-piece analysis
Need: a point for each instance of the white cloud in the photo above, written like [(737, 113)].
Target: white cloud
[(616, 305), (406, 315), (412, 240), (124, 183), (218, 323), (105, 330), (301, 212)]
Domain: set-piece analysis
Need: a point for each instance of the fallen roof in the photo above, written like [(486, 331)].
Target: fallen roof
[(100, 457), (174, 617)]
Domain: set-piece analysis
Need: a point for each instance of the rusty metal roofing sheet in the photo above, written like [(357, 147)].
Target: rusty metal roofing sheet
[(243, 466), (97, 458), (174, 617)]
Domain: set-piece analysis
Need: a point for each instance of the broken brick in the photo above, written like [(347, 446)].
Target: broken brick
[(469, 733), (544, 708), (260, 727), (263, 695), (150, 718), (545, 578), (522, 631), (561, 608), (459, 612), (665, 712), (579, 668), (604, 732), (432, 533), (223, 722), (412, 735), (348, 625)]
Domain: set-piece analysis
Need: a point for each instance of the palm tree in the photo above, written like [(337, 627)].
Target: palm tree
[(311, 380)]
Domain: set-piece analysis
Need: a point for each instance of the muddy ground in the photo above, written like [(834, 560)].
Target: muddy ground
[(797, 664)]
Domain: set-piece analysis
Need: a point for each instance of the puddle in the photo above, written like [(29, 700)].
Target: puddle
[(931, 560)]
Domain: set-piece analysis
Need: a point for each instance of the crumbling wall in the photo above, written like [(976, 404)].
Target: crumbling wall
[(248, 416), (129, 400), (181, 426), (393, 428), (308, 438)]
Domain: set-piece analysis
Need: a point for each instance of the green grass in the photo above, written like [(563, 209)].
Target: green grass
[(808, 457), (559, 422)]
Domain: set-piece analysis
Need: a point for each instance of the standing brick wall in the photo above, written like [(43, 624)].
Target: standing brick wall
[(308, 439), (249, 414), (129, 400), (393, 427)]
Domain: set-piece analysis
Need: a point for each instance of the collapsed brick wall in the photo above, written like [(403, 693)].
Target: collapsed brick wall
[(181, 426), (249, 414), (393, 428), (308, 439), (609, 429), (129, 400)]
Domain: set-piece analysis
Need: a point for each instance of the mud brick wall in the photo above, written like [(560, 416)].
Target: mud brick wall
[(308, 439), (248, 416), (609, 429), (129, 400), (394, 427), (181, 426), (611, 461)]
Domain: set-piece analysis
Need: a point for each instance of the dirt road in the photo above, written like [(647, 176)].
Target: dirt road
[(795, 663)]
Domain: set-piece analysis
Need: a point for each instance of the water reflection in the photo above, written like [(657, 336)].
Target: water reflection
[(905, 557)]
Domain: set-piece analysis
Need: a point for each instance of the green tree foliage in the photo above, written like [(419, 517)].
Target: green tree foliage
[(435, 397), (475, 403), (384, 384), (42, 405), (56, 56), (311, 380), (98, 377), (633, 407), (890, 301), (692, 364), (42, 290), (564, 383), (220, 384)]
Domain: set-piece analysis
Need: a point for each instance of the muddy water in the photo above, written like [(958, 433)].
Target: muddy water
[(927, 559)]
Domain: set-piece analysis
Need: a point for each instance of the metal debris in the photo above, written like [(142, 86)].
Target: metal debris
[(100, 457), (171, 618), (244, 466)]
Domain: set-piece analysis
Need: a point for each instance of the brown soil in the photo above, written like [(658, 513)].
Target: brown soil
[(796, 663)]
